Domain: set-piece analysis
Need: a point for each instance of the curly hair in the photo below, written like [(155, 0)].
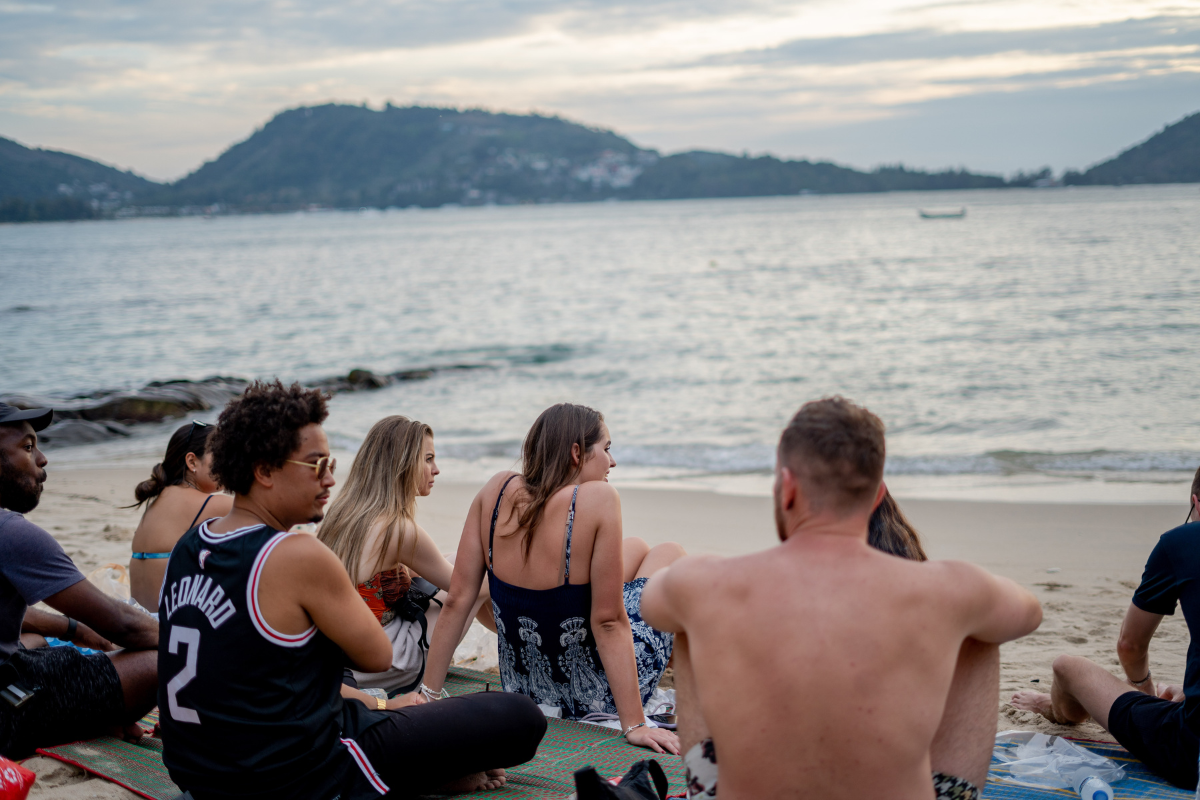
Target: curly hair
[(262, 426)]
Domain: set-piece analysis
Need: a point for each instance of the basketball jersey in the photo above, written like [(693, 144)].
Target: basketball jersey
[(247, 711)]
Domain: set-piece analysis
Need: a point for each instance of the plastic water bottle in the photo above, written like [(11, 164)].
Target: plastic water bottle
[(1091, 787)]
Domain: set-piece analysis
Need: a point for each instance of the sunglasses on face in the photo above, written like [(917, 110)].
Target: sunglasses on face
[(325, 465)]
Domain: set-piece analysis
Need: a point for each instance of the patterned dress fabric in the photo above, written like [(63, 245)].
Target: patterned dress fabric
[(383, 591), (547, 650)]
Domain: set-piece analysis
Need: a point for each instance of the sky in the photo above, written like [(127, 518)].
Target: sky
[(160, 87)]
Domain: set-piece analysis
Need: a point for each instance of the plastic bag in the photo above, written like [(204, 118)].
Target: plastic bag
[(1036, 759), (112, 579), (15, 780)]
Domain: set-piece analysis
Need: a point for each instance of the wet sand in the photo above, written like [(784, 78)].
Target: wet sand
[(1082, 561)]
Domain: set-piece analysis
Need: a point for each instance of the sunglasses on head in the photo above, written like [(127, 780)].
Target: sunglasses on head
[(187, 448), (323, 465)]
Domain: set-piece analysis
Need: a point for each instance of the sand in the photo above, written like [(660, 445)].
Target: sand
[(1082, 562)]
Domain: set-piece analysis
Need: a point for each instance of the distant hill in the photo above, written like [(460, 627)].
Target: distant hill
[(342, 156), (349, 156), (701, 174), (47, 184), (1170, 156)]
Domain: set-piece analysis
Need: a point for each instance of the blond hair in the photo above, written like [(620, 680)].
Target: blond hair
[(382, 488)]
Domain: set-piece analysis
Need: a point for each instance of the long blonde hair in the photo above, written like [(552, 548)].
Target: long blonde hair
[(382, 487)]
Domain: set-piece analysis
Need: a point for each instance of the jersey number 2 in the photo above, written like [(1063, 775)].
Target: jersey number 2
[(191, 638)]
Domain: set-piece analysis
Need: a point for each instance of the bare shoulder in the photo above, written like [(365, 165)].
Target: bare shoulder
[(218, 505), (491, 490), (304, 556), (598, 493)]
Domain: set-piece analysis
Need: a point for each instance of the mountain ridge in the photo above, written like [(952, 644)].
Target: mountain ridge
[(350, 156)]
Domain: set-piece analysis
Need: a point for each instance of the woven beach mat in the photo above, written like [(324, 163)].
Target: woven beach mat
[(567, 747), (137, 767), (1139, 781)]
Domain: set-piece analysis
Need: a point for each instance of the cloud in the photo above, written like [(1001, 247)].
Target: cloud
[(929, 44), (161, 87)]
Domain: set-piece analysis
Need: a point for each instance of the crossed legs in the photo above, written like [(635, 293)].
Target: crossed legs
[(1081, 689)]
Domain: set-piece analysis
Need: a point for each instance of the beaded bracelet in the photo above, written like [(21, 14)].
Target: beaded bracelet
[(431, 695), (632, 728)]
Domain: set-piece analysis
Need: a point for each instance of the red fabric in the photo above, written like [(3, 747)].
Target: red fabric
[(382, 591), (15, 780)]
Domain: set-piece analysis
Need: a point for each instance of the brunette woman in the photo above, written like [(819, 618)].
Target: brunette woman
[(398, 569), (566, 587), (180, 493)]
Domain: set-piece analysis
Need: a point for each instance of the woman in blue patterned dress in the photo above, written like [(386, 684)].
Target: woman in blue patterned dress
[(566, 586)]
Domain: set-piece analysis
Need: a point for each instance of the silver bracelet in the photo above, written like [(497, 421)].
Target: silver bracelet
[(632, 728), (431, 695)]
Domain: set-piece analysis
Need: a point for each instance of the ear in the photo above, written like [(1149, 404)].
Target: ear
[(879, 495), (789, 489), (192, 461), (575, 453), (263, 476)]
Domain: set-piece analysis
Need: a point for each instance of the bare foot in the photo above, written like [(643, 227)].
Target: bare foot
[(130, 733), (478, 782), (1038, 702)]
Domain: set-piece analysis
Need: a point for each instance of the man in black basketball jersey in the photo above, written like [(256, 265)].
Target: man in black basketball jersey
[(257, 624)]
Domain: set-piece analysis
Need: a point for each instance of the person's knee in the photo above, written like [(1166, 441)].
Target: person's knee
[(528, 724), (668, 552), (1067, 667), (634, 546)]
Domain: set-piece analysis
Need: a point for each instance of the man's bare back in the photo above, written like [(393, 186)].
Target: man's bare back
[(821, 668)]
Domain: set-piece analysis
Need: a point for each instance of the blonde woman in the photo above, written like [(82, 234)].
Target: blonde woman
[(399, 571)]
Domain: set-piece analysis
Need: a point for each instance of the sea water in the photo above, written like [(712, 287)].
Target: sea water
[(1049, 338)]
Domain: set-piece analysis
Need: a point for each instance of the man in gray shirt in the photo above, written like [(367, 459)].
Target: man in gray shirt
[(50, 695)]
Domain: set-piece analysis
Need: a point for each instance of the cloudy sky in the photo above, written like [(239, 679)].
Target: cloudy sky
[(160, 87)]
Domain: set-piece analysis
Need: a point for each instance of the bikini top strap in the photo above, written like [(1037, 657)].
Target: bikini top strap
[(570, 528), (495, 516), (198, 513)]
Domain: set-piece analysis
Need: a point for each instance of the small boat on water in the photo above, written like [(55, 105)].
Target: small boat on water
[(962, 212)]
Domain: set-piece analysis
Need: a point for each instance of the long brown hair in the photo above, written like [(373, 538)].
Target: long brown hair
[(172, 470), (382, 487), (546, 459), (890, 531)]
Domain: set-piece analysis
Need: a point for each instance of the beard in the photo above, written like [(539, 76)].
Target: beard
[(19, 492)]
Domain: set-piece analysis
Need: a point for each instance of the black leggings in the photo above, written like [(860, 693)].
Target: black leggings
[(419, 749)]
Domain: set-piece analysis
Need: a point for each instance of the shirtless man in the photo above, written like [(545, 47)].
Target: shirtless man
[(1157, 724), (257, 623), (825, 668)]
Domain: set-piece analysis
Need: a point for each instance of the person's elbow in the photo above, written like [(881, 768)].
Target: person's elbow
[(611, 624), (1131, 647), (376, 656)]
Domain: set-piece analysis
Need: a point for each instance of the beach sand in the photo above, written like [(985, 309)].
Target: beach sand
[(1082, 561)]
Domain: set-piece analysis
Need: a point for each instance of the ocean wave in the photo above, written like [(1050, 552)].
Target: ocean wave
[(760, 458)]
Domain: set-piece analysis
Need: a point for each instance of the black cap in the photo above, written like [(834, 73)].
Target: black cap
[(39, 418)]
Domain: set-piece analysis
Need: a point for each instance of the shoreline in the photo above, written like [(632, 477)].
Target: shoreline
[(1082, 560)]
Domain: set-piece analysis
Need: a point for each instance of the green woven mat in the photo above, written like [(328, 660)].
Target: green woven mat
[(137, 767), (567, 747)]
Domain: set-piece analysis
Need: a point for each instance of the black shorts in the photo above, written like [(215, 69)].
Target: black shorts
[(78, 697), (1155, 732)]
